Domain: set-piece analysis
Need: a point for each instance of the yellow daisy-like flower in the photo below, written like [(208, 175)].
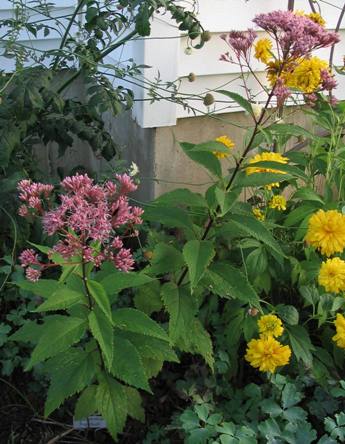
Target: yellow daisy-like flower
[(258, 214), (267, 156), (270, 325), (278, 203), (326, 232), (267, 354), (263, 49), (339, 338), (332, 275), (317, 18), (306, 76), (226, 141)]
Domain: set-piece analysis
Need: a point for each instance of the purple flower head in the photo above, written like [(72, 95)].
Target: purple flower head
[(28, 257), (328, 80), (240, 42), (281, 92)]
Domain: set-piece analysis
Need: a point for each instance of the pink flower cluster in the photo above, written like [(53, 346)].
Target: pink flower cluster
[(89, 220), (31, 194), (297, 35), (240, 42)]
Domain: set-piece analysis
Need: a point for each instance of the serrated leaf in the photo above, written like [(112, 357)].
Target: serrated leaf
[(29, 332), (200, 342), (134, 404), (300, 343), (207, 160), (61, 299), (73, 371), (129, 319), (102, 331), (198, 256), (43, 287), (238, 285), (148, 299), (86, 404), (117, 281), (290, 396), (99, 295), (226, 199), (181, 196), (111, 400), (288, 313), (57, 336), (181, 308), (127, 364), (165, 259)]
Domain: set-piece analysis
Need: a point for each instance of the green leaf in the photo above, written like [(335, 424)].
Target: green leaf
[(134, 404), (43, 287), (278, 167), (127, 364), (298, 215), (62, 299), (29, 332), (102, 331), (301, 344), (58, 334), (117, 281), (129, 319), (238, 99), (165, 259), (290, 396), (259, 180), (170, 217), (181, 308), (181, 196), (86, 404), (100, 297), (72, 371), (210, 147), (254, 228), (148, 298), (111, 400), (290, 129), (236, 284), (226, 199), (288, 313), (307, 194), (207, 160), (200, 342), (198, 256)]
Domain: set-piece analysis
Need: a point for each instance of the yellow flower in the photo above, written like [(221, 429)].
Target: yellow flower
[(273, 68), (326, 232), (226, 141), (267, 156), (306, 76), (258, 214), (339, 338), (278, 202), (263, 49), (267, 354), (332, 275), (270, 325), (317, 18)]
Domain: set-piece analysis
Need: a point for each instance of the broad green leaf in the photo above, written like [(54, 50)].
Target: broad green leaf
[(134, 404), (226, 199), (149, 347), (290, 396), (29, 332), (86, 404), (102, 331), (165, 259), (61, 299), (58, 334), (278, 167), (238, 99), (170, 217), (198, 256), (100, 297), (300, 343), (111, 400), (296, 216), (43, 287), (119, 280), (238, 285), (152, 367), (148, 298), (181, 196), (181, 308), (129, 319), (259, 180), (207, 160), (73, 370), (200, 342), (306, 194), (210, 147), (42, 248), (127, 364), (289, 129), (288, 313), (254, 228)]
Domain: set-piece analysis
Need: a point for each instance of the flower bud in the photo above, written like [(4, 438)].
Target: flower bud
[(253, 312), (188, 50), (257, 110), (191, 77), (148, 255), (206, 36), (208, 99)]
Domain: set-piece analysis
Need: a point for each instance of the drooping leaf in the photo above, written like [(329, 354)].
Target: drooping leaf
[(61, 299), (58, 334), (169, 216), (72, 371), (198, 256), (29, 332), (148, 298), (111, 400), (117, 281), (99, 295), (181, 196), (127, 364), (134, 404), (129, 319), (301, 343), (102, 331), (200, 342), (207, 160), (43, 287), (165, 259), (86, 404), (244, 104)]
